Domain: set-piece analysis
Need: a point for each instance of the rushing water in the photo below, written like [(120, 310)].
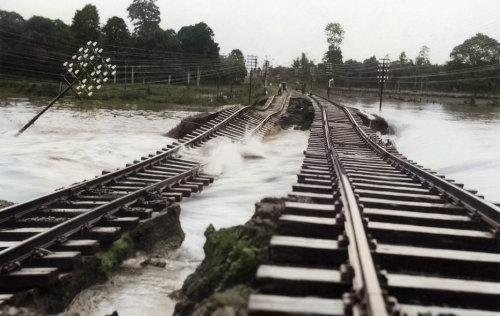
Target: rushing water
[(245, 173), (67, 145), (459, 141)]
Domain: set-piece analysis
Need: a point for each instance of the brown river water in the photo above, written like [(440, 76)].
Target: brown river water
[(68, 145)]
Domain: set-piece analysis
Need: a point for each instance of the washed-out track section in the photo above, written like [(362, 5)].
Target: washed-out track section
[(44, 239), (368, 232)]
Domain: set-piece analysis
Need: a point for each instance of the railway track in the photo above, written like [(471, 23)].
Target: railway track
[(368, 232), (45, 238)]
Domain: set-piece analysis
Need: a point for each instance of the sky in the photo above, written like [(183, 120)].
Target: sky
[(281, 29)]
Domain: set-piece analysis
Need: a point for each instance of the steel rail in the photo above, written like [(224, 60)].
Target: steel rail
[(365, 282), (24, 248), (261, 124), (18, 210), (488, 211)]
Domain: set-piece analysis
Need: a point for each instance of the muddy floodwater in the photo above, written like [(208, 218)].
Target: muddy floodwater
[(69, 145), (459, 141)]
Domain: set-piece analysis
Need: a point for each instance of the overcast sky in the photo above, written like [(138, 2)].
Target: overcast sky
[(282, 29)]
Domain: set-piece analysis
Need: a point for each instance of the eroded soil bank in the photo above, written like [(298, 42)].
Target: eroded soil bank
[(163, 231), (224, 280)]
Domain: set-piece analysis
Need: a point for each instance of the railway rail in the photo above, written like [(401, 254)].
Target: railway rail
[(368, 232), (44, 238)]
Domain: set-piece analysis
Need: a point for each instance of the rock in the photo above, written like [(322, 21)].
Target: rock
[(232, 256), (189, 124)]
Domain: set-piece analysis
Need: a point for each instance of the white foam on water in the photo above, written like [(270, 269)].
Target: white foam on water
[(245, 173)]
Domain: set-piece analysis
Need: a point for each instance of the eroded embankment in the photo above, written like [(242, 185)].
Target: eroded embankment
[(189, 124), (299, 114), (224, 280), (163, 231)]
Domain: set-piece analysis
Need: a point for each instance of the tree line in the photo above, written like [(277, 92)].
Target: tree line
[(36, 47), (473, 67)]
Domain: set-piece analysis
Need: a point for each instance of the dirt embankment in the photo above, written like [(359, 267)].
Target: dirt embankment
[(376, 123), (189, 124), (299, 114), (162, 232), (223, 282)]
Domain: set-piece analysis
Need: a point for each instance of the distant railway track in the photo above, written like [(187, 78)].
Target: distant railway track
[(368, 232), (47, 236)]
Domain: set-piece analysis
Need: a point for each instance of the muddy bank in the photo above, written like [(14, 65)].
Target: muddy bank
[(189, 124), (299, 114), (163, 230), (222, 283)]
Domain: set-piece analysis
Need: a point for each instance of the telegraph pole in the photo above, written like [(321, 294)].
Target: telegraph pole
[(266, 70), (198, 77), (383, 69), (329, 74), (252, 65)]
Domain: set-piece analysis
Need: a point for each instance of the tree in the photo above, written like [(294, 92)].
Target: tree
[(51, 33), (302, 66), (145, 15), (115, 32), (198, 39), (85, 26), (422, 58), (11, 22), (476, 51), (236, 63), (403, 59), (333, 55), (334, 36)]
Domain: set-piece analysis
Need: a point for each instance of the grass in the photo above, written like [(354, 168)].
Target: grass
[(139, 96)]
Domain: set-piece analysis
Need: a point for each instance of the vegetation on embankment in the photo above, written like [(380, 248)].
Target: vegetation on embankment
[(224, 280), (142, 96), (4, 203), (163, 232)]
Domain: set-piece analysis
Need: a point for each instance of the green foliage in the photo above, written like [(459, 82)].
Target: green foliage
[(334, 37), (114, 256), (236, 62), (85, 26), (115, 32), (302, 66), (422, 58), (476, 51), (334, 34), (145, 16), (198, 39)]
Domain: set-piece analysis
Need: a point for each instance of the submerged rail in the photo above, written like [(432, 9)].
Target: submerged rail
[(62, 226)]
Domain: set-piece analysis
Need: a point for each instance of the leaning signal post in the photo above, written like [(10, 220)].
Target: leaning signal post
[(88, 70)]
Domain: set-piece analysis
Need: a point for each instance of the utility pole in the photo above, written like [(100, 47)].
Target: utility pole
[(169, 79), (198, 77), (125, 76), (312, 70), (329, 74), (266, 69), (132, 74), (383, 69), (188, 78), (88, 70), (252, 65)]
